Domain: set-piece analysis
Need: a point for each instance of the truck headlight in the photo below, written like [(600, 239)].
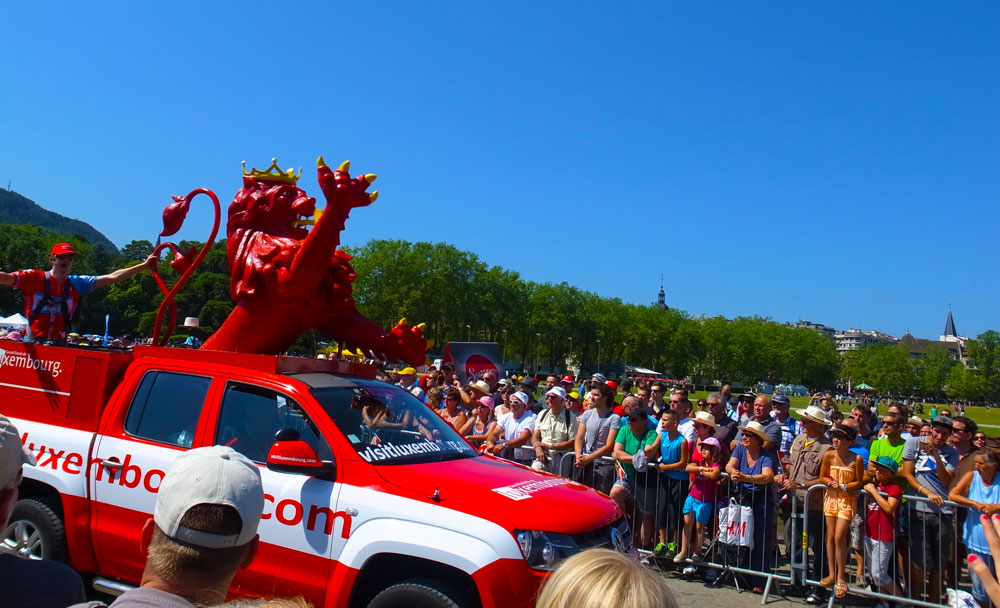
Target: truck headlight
[(544, 550)]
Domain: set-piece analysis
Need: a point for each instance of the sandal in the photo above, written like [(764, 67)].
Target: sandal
[(827, 582), (840, 590)]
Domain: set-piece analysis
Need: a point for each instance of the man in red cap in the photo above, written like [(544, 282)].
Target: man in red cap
[(51, 297)]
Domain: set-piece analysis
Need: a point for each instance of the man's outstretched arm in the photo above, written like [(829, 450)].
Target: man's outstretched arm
[(125, 273), (6, 278)]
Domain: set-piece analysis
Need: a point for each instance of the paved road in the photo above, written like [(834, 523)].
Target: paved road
[(692, 593), (695, 594)]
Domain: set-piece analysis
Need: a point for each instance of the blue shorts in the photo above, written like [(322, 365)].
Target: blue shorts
[(702, 510)]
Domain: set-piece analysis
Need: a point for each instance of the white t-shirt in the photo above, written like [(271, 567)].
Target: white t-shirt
[(686, 427), (512, 429)]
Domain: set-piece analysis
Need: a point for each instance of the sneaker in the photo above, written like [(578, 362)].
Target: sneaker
[(696, 558), (672, 547), (679, 558), (689, 571), (660, 550)]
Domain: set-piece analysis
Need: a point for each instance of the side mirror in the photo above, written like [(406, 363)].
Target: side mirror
[(289, 454)]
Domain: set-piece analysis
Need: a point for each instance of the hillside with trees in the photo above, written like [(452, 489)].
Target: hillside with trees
[(17, 209)]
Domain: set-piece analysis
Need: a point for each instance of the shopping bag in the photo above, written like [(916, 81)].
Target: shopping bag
[(736, 525)]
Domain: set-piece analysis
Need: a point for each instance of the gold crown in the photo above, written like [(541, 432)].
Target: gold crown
[(273, 173)]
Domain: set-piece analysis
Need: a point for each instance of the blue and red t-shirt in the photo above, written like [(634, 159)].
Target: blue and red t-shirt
[(49, 324)]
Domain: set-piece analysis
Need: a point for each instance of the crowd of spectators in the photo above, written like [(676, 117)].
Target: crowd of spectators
[(671, 466)]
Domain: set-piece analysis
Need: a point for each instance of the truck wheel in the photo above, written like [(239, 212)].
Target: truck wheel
[(419, 593), (35, 531)]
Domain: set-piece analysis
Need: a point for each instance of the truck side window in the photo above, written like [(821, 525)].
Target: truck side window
[(166, 407), (251, 415)]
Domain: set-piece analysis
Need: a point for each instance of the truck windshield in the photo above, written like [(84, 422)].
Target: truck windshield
[(388, 425)]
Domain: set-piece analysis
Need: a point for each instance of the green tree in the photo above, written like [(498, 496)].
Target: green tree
[(932, 370), (984, 356), (887, 367), (136, 251), (964, 383)]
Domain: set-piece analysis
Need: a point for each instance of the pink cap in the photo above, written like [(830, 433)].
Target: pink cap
[(712, 441)]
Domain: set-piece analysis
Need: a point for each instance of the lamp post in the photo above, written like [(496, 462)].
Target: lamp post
[(570, 349), (538, 347), (468, 333), (598, 355), (504, 356), (625, 357)]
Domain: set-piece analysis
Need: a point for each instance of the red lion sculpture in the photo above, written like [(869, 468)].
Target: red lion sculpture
[(287, 279)]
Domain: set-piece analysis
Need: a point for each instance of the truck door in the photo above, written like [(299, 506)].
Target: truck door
[(161, 422), (299, 521)]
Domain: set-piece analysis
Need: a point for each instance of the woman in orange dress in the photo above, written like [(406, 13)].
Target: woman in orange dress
[(842, 472)]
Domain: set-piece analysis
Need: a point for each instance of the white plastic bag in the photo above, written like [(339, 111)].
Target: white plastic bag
[(736, 525), (961, 599)]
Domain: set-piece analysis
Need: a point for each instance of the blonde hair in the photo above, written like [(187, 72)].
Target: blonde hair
[(599, 578), (279, 602)]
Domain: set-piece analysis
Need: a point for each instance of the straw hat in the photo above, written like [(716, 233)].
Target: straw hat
[(480, 385), (756, 428), (705, 418), (816, 414)]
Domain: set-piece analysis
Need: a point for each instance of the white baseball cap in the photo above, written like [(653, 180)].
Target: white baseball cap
[(13, 455), (216, 475), (558, 391)]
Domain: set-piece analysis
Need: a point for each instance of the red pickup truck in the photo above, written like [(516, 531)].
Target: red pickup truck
[(370, 498)]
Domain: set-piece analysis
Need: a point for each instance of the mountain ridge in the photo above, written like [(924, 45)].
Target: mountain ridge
[(18, 209)]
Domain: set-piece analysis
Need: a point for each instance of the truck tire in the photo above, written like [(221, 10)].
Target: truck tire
[(35, 531), (419, 593)]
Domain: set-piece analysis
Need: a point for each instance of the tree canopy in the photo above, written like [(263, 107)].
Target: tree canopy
[(540, 326)]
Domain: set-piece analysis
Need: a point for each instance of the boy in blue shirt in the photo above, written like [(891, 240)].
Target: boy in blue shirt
[(673, 483)]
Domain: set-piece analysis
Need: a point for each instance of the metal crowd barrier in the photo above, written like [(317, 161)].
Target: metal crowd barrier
[(803, 533), (656, 502), (914, 529)]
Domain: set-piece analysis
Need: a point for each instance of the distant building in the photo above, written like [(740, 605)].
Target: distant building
[(854, 339), (829, 332), (949, 341), (918, 347)]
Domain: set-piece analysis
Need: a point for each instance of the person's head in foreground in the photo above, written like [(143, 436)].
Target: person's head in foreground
[(599, 578), (204, 526), (13, 457)]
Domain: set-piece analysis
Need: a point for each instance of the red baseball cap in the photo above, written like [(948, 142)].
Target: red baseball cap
[(63, 249), (568, 379)]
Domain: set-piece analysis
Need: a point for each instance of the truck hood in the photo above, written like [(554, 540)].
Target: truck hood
[(510, 495)]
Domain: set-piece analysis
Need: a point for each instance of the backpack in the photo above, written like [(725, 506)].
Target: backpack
[(565, 414), (63, 304)]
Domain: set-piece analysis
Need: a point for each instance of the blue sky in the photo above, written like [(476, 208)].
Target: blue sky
[(835, 162)]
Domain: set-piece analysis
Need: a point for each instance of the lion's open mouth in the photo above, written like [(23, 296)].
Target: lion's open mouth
[(306, 220)]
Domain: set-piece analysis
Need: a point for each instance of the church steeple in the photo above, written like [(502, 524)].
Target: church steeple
[(661, 298), (949, 325)]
